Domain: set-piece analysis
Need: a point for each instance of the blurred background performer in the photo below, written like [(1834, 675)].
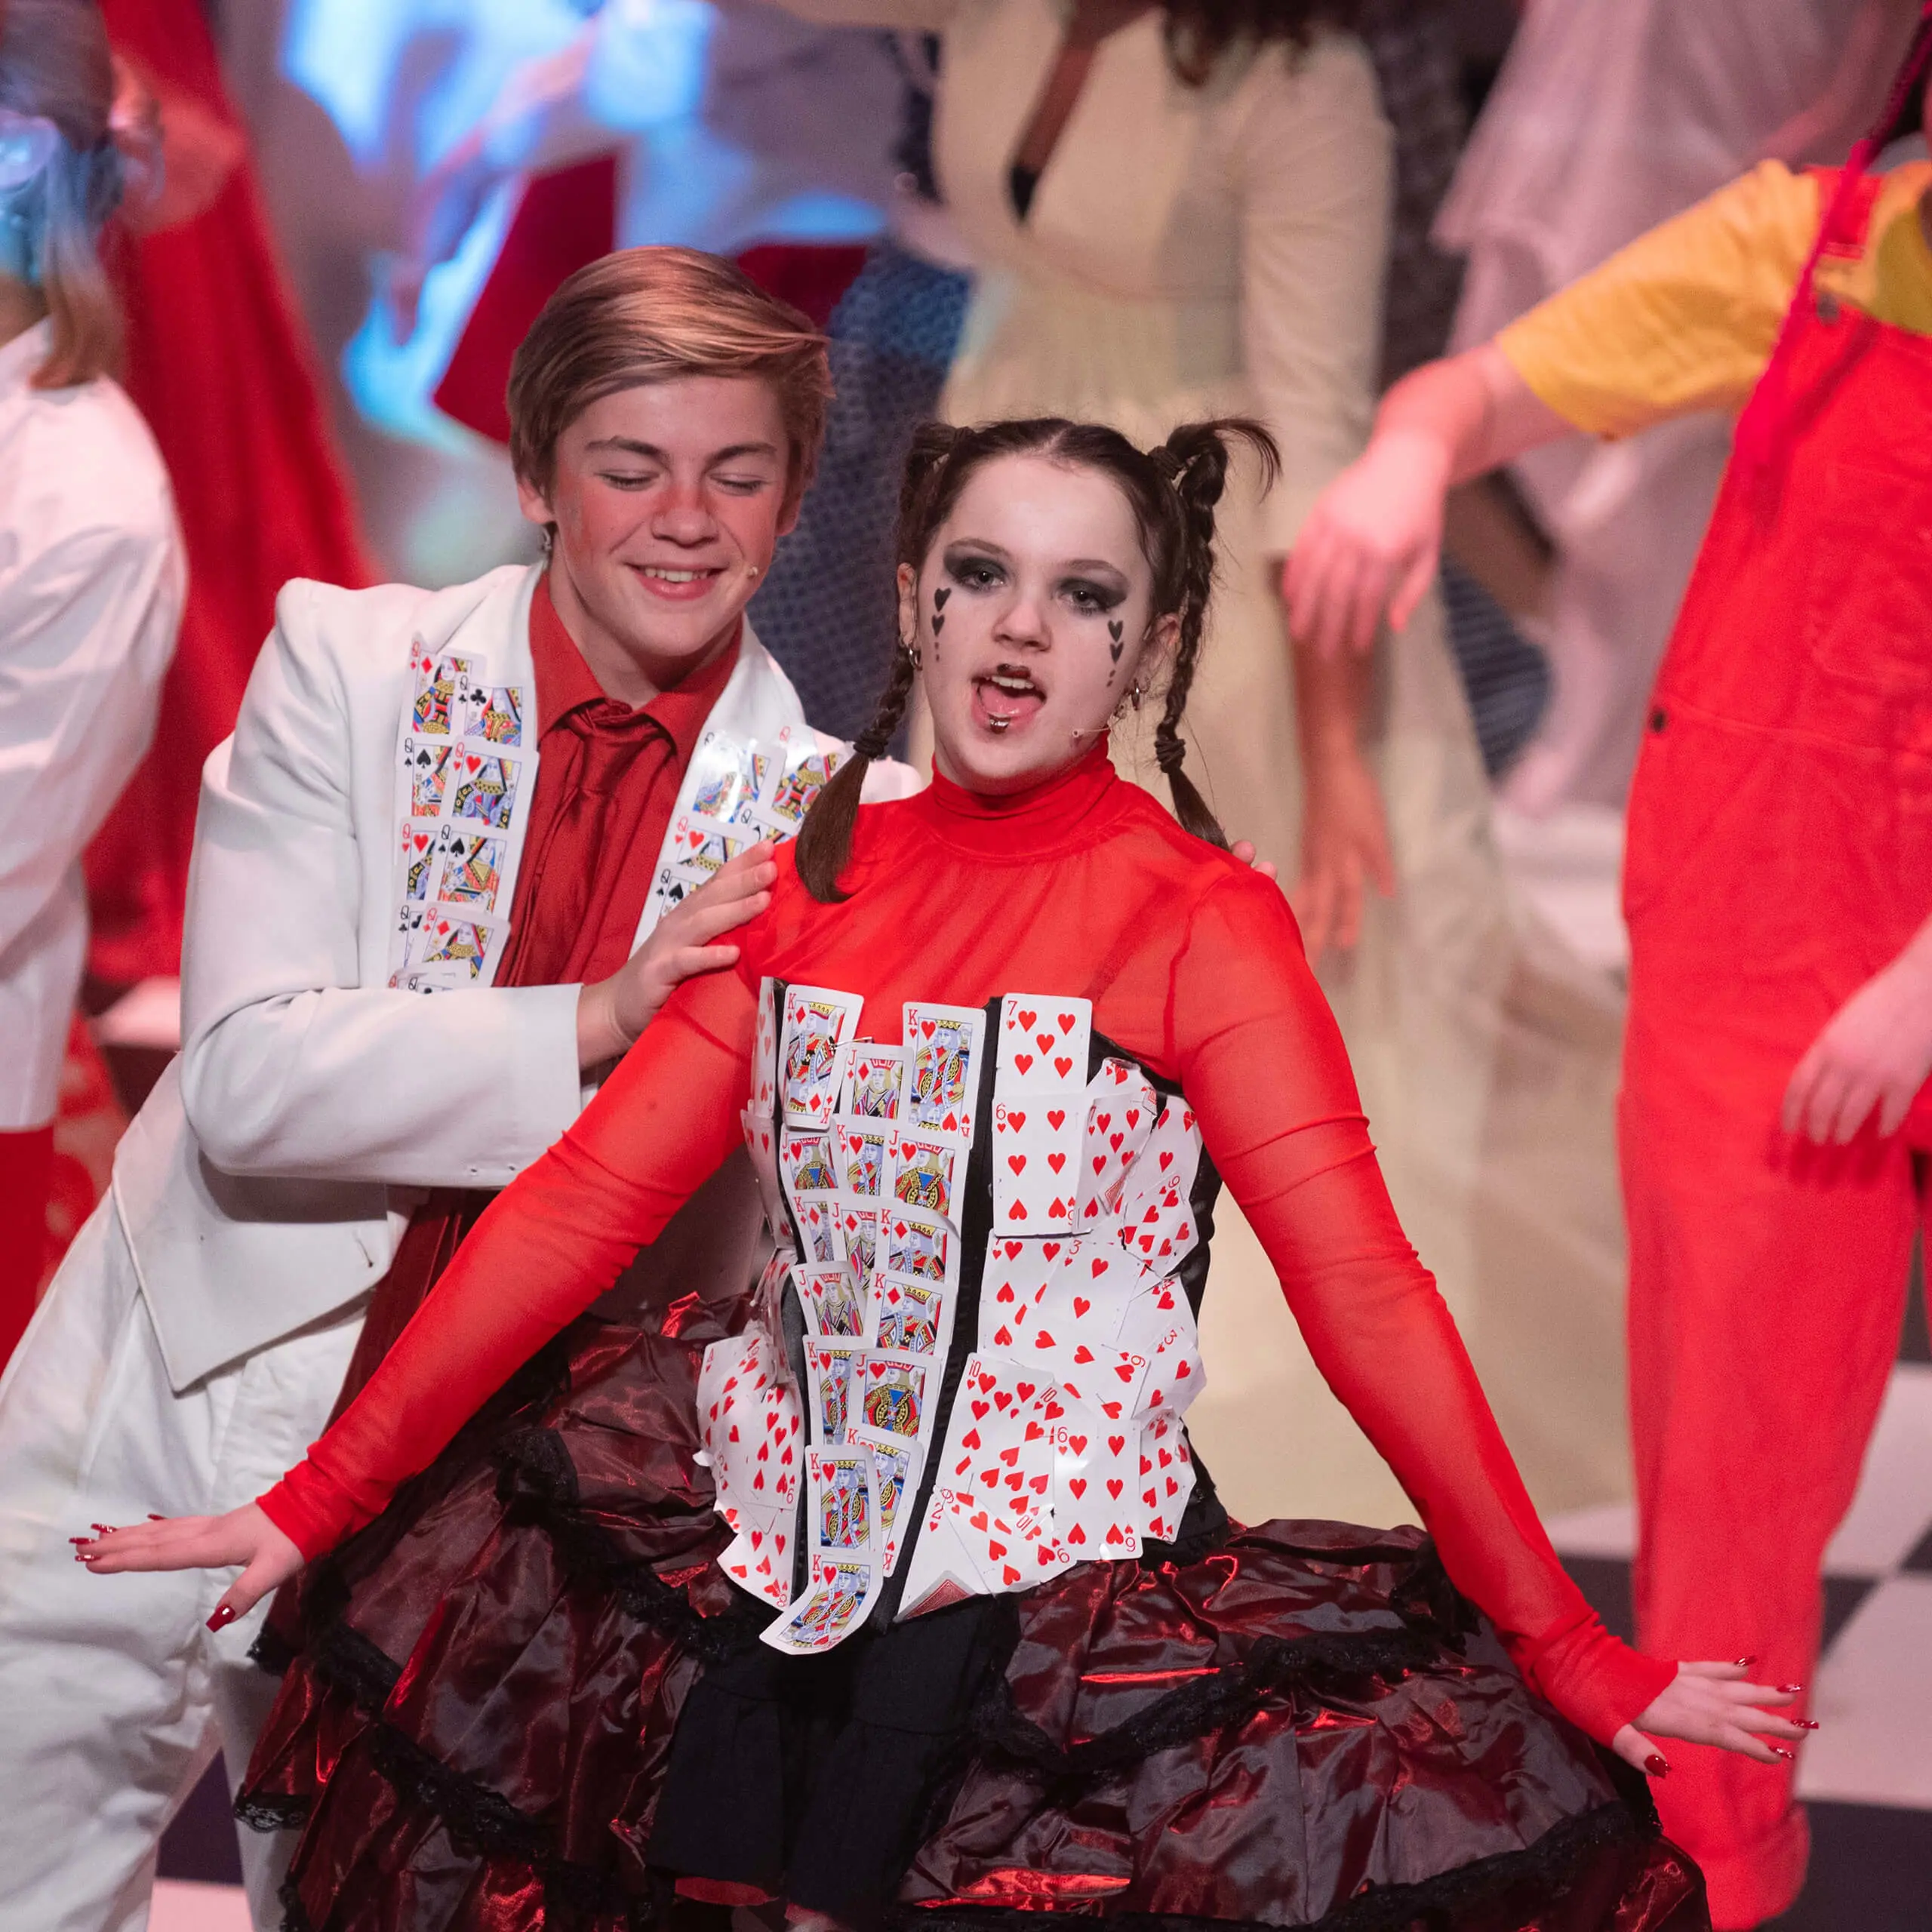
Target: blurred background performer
[(1775, 1118), (92, 573), (1610, 116), (1176, 210)]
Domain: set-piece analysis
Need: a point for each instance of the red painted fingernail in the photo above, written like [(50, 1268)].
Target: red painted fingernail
[(1655, 1766), (1791, 1689), (1745, 1663), (223, 1617), (1806, 1724), (102, 1529), (1779, 1751), (80, 1542), (155, 1517)]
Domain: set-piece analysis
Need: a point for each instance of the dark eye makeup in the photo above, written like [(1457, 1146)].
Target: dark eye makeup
[(974, 569)]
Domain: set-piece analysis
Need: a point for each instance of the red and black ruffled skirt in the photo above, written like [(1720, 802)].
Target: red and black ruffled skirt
[(527, 1697)]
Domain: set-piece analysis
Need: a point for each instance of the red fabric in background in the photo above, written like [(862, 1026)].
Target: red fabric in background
[(811, 277), (565, 219), (568, 218), (220, 363)]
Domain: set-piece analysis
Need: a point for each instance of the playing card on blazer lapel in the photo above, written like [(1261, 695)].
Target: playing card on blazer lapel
[(420, 853), (493, 714), (440, 683), (470, 867), (427, 763), (487, 785)]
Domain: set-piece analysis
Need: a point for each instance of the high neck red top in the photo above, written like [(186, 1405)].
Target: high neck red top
[(1082, 885)]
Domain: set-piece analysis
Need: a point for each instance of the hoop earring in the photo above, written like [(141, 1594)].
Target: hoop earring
[(549, 539)]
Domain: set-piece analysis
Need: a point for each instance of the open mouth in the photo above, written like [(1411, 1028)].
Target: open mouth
[(677, 583), (1006, 696)]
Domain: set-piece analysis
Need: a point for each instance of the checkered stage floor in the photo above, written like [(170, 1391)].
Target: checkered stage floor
[(1867, 1775)]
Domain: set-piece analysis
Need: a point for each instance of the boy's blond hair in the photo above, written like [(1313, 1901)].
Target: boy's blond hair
[(651, 316)]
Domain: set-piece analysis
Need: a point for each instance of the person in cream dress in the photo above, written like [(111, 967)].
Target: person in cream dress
[(1172, 250)]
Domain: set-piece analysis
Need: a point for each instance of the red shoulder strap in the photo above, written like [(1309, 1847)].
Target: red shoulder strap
[(1846, 209)]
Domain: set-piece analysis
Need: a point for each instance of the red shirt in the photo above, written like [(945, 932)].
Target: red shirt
[(606, 779), (1084, 885)]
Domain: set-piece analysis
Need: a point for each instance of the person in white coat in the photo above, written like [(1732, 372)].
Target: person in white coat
[(92, 577), (486, 794)]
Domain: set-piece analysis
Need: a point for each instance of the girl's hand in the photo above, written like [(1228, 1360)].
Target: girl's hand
[(1344, 850), (244, 1537), (1370, 545), (1711, 1703), (612, 1014), (1875, 1051)]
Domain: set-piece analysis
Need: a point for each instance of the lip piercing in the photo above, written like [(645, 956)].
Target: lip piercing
[(997, 724)]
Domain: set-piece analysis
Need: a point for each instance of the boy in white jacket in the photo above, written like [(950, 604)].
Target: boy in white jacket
[(492, 795)]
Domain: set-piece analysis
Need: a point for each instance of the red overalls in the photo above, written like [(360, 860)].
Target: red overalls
[(1779, 854)]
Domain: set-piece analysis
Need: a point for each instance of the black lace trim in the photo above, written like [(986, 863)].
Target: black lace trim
[(1545, 1871), (537, 1481), (537, 1478)]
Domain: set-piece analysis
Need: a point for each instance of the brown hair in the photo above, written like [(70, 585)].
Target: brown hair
[(54, 63), (1173, 491), (1198, 32), (651, 316)]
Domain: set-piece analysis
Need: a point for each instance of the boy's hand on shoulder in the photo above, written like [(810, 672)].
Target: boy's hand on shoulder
[(611, 1013)]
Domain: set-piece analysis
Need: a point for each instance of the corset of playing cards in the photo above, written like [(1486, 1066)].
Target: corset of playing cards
[(991, 1246)]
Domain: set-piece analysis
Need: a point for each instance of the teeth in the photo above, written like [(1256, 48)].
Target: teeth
[(674, 576), (1022, 685)]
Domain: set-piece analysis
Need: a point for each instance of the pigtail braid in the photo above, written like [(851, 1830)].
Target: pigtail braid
[(824, 839), (1194, 461)]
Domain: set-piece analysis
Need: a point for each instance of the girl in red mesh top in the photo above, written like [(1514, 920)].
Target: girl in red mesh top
[(893, 1591)]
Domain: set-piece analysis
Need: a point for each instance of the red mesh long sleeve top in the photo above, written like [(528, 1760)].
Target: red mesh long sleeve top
[(1083, 885)]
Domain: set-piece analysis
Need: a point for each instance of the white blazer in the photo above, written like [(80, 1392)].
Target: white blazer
[(92, 577), (264, 1184)]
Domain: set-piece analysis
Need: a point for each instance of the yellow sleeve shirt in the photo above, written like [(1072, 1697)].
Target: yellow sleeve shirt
[(1684, 317)]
